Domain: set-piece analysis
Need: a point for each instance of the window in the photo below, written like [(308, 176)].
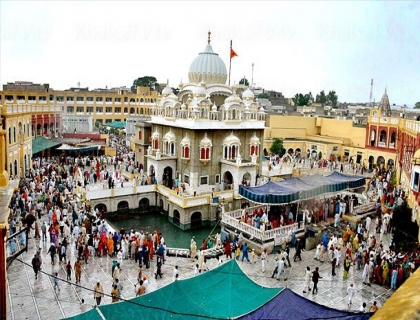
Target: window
[(99, 109), (89, 99), (21, 97), (89, 109), (70, 99), (108, 109), (51, 97), (217, 177), (10, 135), (186, 178), (117, 99), (415, 185), (108, 99), (205, 153), (186, 152), (42, 98), (60, 99), (125, 99), (99, 99), (204, 180), (9, 98), (31, 98), (80, 99), (80, 109), (253, 150), (140, 135), (125, 110), (118, 110), (70, 109)]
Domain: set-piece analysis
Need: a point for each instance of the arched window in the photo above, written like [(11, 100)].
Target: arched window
[(14, 135), (10, 138), (186, 152), (382, 138)]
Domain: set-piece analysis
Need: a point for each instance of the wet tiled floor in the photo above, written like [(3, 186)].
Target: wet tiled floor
[(36, 299)]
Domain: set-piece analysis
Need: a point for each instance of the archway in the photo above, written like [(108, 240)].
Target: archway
[(390, 164), (314, 154), (373, 137), (227, 182), (380, 162), (152, 172), (177, 218), (218, 215), (319, 155), (196, 220), (144, 205), (123, 207), (246, 179), (25, 163), (101, 209), (308, 153), (371, 161), (167, 177), (290, 151)]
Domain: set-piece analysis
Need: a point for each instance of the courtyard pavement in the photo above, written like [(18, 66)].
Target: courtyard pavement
[(36, 299)]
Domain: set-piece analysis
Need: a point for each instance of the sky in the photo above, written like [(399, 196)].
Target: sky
[(296, 46)]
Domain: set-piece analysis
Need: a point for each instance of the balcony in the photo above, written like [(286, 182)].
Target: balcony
[(382, 144)]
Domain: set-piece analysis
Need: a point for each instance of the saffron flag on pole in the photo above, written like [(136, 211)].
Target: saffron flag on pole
[(232, 53)]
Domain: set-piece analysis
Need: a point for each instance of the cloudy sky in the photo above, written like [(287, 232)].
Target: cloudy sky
[(295, 46)]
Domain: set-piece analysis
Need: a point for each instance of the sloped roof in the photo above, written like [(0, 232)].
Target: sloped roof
[(41, 143), (222, 293), (294, 189), (289, 305)]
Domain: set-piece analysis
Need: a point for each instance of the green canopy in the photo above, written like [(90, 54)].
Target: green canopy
[(41, 143), (222, 293), (116, 124)]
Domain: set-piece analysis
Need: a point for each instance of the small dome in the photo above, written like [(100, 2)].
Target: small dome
[(183, 106), (199, 89), (261, 110), (170, 136), (167, 90), (205, 142), (185, 141), (155, 135), (255, 140), (233, 99), (214, 107), (232, 139), (248, 95), (172, 96)]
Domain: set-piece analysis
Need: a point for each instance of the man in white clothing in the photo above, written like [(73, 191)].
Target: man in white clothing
[(351, 290), (308, 276), (280, 268)]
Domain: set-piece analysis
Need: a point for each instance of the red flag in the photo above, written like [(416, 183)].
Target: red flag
[(232, 53)]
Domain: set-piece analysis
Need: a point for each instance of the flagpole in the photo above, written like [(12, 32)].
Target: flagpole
[(230, 59)]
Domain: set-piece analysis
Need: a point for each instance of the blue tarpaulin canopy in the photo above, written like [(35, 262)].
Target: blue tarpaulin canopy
[(295, 189)]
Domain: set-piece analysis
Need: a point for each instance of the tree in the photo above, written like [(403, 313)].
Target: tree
[(146, 81), (405, 230), (332, 99), (321, 97), (263, 95), (417, 105), (277, 147), (302, 100), (244, 81)]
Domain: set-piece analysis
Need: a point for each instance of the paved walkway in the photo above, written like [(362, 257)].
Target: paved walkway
[(36, 299)]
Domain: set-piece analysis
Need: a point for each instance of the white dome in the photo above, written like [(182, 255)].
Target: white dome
[(248, 94), (214, 107), (255, 140), (199, 89), (232, 139), (208, 67), (233, 99), (205, 142), (172, 96), (155, 135), (170, 136), (186, 141), (167, 90)]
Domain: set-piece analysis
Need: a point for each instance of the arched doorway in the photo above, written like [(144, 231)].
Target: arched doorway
[(246, 179), (152, 172), (227, 181), (373, 137), (314, 154), (144, 205), (196, 220), (16, 167), (319, 155), (371, 161), (167, 177), (123, 207), (177, 218), (390, 164), (101, 208), (380, 162), (290, 151)]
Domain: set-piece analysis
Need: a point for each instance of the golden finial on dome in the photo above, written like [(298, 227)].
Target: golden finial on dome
[(208, 39)]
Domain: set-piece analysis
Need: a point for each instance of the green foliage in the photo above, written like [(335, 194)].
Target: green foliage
[(263, 95), (321, 97), (332, 99), (244, 81), (97, 124), (417, 105), (405, 230), (146, 81), (277, 147), (302, 100)]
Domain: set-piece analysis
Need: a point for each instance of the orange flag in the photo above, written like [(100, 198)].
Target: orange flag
[(232, 53)]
